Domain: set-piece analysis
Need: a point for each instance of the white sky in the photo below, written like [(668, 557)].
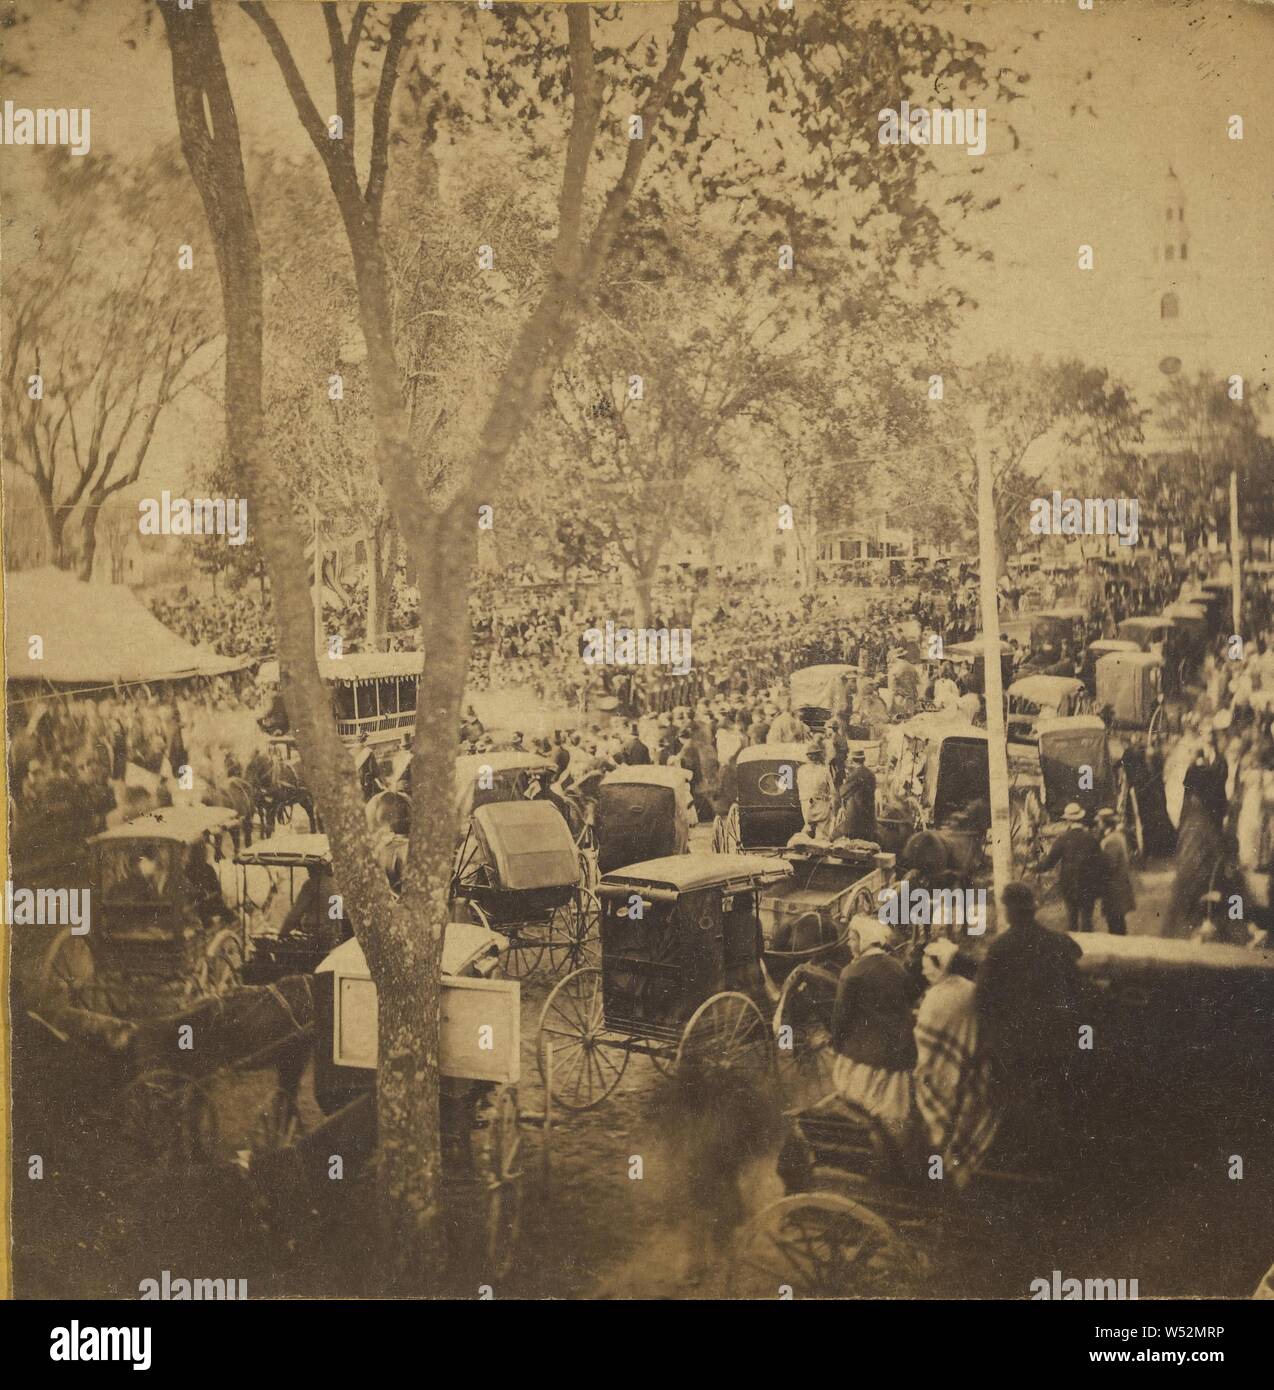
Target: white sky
[(1166, 78)]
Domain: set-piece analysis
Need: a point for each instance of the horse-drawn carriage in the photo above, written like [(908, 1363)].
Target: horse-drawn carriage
[(680, 979), (1094, 652), (819, 691), (937, 778), (643, 812), (1036, 698), (313, 923), (1188, 645), (1054, 628), (518, 872), (767, 809), (1075, 768), (1130, 690), (970, 657), (1185, 1060), (507, 774), (161, 935)]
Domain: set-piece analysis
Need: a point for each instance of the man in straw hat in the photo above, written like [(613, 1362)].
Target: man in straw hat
[(1082, 873)]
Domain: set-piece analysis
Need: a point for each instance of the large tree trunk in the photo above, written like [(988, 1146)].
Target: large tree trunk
[(401, 942)]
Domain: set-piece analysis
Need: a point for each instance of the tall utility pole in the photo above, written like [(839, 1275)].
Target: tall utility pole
[(1236, 551), (997, 744)]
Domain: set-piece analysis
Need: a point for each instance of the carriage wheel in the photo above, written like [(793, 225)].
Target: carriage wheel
[(821, 1245), (587, 1065), (588, 870), (224, 964), (575, 934), (664, 1059), (1153, 727), (727, 1034), (725, 832), (522, 952), (168, 1124), (807, 1061), (67, 977), (278, 1125), (504, 1183)]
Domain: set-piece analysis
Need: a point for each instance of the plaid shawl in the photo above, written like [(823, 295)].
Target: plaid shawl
[(952, 1079)]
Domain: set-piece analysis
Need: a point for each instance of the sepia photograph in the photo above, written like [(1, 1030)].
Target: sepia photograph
[(636, 642)]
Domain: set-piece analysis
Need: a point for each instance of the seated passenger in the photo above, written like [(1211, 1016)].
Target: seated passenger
[(952, 1075), (872, 1032)]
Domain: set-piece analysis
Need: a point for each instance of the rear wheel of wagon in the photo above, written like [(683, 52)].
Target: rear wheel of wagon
[(504, 1183), (168, 1124), (821, 1245), (801, 1033), (523, 944), (727, 1035), (587, 1063), (67, 977)]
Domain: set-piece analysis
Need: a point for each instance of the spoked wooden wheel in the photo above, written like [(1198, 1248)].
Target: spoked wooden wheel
[(802, 1041), (168, 1124), (523, 944), (504, 1183), (725, 832), (574, 934), (821, 1245), (727, 1034), (587, 1063), (663, 1058), (67, 977), (589, 872), (224, 964), (278, 1125)]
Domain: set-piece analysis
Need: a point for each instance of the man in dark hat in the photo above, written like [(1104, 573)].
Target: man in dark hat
[(1082, 873)]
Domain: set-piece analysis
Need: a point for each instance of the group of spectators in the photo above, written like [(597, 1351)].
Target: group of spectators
[(974, 1057)]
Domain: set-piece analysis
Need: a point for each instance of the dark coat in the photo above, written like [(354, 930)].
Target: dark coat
[(1083, 866), (871, 1021), (1027, 999), (858, 794)]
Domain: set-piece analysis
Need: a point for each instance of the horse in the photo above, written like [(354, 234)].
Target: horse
[(276, 787)]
